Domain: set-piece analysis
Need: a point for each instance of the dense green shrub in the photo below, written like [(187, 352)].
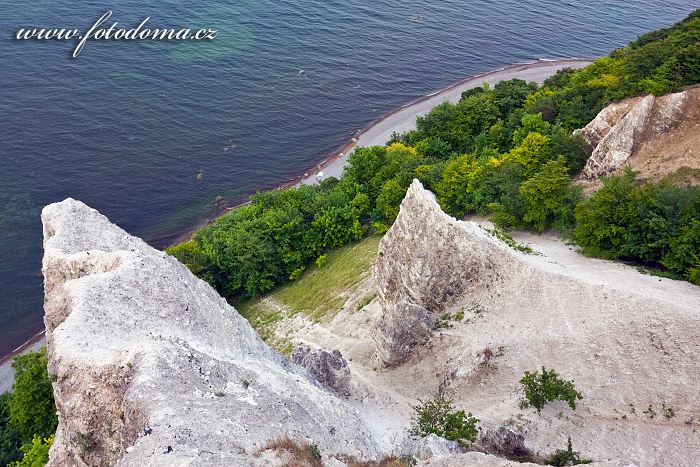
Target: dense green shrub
[(549, 198), (28, 412), (459, 124), (31, 408), (252, 249), (499, 183), (191, 255), (435, 148), (531, 153), (438, 416), (657, 224), (683, 255), (541, 388), (602, 218), (36, 454), (10, 442), (454, 190), (510, 95)]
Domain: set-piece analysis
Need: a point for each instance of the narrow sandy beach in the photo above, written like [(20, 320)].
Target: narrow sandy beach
[(376, 134), (7, 374), (404, 118)]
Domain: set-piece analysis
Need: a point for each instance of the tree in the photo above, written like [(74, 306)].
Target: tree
[(247, 257), (430, 175), (32, 410), (531, 152), (498, 182), (453, 189), (510, 95), (656, 214), (573, 148), (434, 147), (36, 454), (10, 442), (530, 123), (337, 226), (459, 124), (363, 165), (389, 200), (191, 255), (602, 220), (548, 197), (683, 256)]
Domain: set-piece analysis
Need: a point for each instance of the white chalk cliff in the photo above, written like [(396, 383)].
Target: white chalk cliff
[(629, 341), (427, 262), (655, 135), (151, 367)]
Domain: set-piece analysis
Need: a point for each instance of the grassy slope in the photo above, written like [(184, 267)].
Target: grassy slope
[(319, 293)]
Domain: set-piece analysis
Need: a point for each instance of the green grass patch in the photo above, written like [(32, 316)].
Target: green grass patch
[(365, 301), (318, 293), (261, 317), (506, 238)]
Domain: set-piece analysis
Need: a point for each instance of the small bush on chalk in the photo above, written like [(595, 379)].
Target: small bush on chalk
[(541, 388), (438, 416), (562, 457), (322, 260)]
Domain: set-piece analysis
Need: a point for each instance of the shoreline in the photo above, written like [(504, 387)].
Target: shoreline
[(400, 119), (39, 336), (451, 93), (7, 374), (332, 165)]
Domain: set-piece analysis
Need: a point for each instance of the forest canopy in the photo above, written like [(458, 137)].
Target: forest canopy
[(505, 151)]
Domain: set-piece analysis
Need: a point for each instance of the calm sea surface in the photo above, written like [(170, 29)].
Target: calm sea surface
[(127, 127)]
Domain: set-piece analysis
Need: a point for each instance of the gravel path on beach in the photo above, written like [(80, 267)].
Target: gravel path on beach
[(404, 119)]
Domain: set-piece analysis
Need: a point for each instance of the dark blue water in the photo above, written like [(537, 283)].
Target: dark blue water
[(126, 127)]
